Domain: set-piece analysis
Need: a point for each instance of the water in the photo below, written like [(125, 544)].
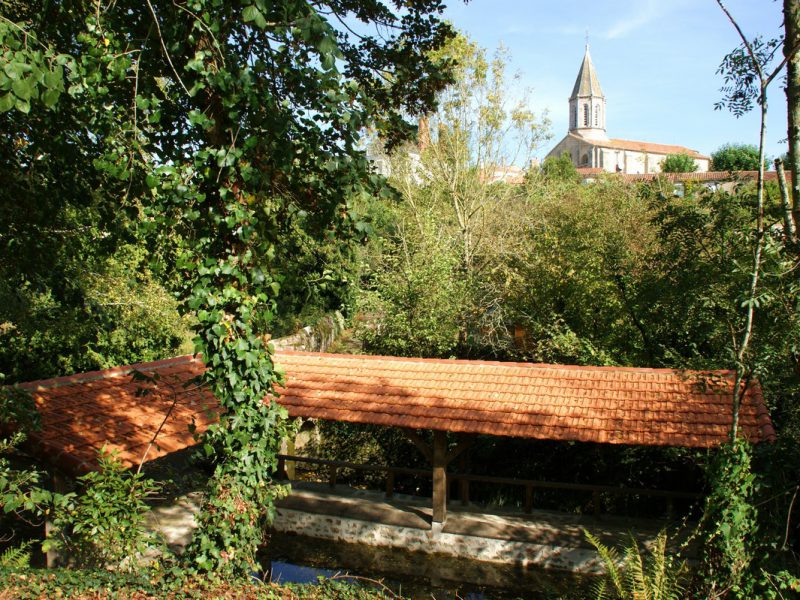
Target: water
[(300, 559)]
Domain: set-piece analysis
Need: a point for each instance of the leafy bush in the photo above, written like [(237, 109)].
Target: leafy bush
[(105, 525), (23, 501)]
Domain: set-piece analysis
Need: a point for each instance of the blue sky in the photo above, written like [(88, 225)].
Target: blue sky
[(656, 60)]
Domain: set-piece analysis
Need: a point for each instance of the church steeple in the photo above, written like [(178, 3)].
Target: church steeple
[(587, 104)]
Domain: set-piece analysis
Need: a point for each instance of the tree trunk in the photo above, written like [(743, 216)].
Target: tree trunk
[(791, 23)]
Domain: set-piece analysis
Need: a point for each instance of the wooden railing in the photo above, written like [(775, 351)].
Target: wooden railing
[(464, 480)]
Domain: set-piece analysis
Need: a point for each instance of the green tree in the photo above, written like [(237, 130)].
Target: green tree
[(559, 168), (678, 163), (735, 157), (791, 39), (457, 198), (205, 129), (584, 253)]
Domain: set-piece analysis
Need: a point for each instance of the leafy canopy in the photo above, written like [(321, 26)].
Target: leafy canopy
[(735, 157), (559, 168), (206, 130), (442, 275), (679, 163)]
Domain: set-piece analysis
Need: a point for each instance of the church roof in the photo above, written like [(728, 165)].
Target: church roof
[(587, 83), (649, 147)]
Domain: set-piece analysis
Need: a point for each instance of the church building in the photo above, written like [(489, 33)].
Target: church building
[(589, 146)]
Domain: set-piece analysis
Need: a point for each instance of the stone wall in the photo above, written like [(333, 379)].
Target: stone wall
[(316, 338), (436, 541)]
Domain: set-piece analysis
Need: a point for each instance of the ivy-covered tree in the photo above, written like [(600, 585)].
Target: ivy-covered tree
[(208, 130)]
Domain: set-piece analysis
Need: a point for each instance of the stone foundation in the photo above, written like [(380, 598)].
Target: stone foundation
[(435, 541)]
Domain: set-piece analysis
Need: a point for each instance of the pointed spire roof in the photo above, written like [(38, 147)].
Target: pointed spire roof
[(587, 83)]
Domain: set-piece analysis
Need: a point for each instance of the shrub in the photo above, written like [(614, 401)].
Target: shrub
[(105, 525)]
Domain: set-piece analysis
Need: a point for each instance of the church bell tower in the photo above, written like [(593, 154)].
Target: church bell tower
[(587, 104)]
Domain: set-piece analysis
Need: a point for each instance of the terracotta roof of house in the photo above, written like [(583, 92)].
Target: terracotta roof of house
[(589, 171), (707, 176), (505, 173), (611, 405)]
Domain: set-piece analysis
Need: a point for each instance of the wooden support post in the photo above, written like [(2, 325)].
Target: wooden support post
[(333, 471), (596, 502), (281, 472), (439, 476), (290, 464), (528, 498), (464, 468), (463, 491), (390, 484)]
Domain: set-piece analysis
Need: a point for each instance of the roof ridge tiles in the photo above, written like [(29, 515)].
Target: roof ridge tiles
[(92, 376), (495, 363)]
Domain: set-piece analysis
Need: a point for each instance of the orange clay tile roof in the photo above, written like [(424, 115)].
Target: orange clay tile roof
[(707, 176), (648, 147), (610, 405), (633, 145)]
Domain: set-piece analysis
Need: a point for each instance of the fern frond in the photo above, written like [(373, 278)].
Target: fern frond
[(635, 572), (16, 558), (658, 567), (654, 575), (610, 560)]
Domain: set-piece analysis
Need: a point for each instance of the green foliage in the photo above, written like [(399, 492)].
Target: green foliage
[(678, 163), (206, 132), (742, 86), (658, 576), (441, 272), (735, 157), (586, 251), (17, 558), (731, 521), (416, 306), (104, 525), (147, 584), (86, 312), (21, 493), (559, 169), (233, 520), (31, 71), (18, 410)]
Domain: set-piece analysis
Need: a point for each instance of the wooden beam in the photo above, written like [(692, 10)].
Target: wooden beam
[(420, 444), (464, 443), (439, 476)]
